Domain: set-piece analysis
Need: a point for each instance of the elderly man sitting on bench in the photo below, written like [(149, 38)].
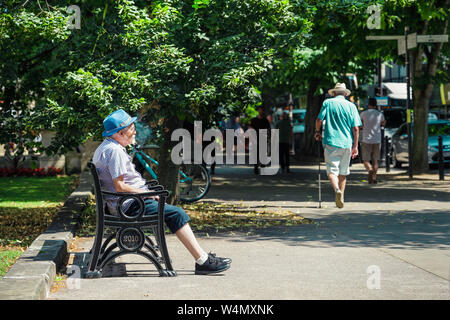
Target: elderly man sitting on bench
[(117, 173)]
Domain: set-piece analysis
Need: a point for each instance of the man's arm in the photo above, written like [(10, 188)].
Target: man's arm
[(121, 186), (383, 120), (319, 121), (355, 141), (357, 122), (317, 133)]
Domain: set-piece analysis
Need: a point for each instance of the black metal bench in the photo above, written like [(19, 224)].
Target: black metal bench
[(128, 231)]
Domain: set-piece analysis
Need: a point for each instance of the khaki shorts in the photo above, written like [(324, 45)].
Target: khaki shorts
[(337, 160), (370, 151)]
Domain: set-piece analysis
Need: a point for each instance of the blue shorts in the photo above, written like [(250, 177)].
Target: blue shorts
[(175, 217)]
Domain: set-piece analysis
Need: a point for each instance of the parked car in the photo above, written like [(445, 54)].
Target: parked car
[(395, 117), (436, 128), (432, 116)]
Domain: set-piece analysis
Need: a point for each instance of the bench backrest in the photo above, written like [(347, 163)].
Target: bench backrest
[(98, 194)]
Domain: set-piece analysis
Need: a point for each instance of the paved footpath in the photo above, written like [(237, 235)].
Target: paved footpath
[(391, 241)]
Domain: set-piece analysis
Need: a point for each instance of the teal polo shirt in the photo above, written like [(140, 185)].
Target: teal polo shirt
[(341, 116)]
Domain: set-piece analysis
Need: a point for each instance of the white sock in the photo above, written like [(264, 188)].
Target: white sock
[(202, 258)]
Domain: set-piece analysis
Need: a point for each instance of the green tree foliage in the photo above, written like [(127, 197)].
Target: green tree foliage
[(171, 60), (429, 62), (179, 60), (186, 58), (335, 46), (28, 39)]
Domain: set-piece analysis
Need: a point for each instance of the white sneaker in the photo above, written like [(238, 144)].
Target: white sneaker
[(339, 199)]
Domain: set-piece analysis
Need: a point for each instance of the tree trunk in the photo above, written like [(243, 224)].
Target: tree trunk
[(423, 89), (314, 104), (420, 130), (268, 102), (168, 175)]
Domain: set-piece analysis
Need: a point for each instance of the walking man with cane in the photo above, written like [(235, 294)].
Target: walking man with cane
[(341, 122)]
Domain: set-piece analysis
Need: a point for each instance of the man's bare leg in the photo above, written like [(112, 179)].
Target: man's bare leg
[(367, 165), (370, 170), (337, 183), (374, 170), (187, 238), (342, 183), (334, 181)]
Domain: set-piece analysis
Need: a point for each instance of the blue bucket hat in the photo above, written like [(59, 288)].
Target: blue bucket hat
[(116, 121)]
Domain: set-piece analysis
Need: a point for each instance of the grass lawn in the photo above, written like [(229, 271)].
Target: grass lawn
[(27, 207), (8, 256)]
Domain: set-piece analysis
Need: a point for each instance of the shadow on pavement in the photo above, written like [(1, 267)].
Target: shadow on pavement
[(355, 193), (412, 230)]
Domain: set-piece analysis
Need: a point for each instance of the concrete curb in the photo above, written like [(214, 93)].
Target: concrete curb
[(32, 276)]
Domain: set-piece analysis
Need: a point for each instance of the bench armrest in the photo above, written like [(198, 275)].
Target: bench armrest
[(155, 187), (151, 182), (141, 194)]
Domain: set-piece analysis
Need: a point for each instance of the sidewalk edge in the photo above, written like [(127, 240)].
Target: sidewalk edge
[(32, 276)]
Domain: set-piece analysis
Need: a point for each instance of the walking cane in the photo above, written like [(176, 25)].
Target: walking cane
[(320, 189)]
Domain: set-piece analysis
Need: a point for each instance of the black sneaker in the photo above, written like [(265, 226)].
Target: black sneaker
[(226, 260), (212, 265)]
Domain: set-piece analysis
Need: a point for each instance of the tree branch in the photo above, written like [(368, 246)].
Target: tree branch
[(26, 63), (435, 52), (427, 52)]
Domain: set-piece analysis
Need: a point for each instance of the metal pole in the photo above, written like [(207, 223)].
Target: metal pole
[(441, 159), (408, 104), (320, 188), (383, 151), (380, 84), (388, 154)]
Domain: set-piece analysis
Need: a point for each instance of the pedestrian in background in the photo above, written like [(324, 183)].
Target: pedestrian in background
[(340, 139), (286, 139), (270, 119), (258, 123), (372, 121)]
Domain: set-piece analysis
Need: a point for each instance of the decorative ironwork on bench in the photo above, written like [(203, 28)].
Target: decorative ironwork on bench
[(128, 231)]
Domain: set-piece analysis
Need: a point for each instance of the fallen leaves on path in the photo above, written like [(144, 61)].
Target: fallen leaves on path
[(20, 226), (224, 217), (214, 217)]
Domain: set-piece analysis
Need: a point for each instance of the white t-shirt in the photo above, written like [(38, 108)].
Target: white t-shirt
[(371, 132), (112, 161)]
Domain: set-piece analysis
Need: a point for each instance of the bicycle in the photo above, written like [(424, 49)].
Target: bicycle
[(195, 179)]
